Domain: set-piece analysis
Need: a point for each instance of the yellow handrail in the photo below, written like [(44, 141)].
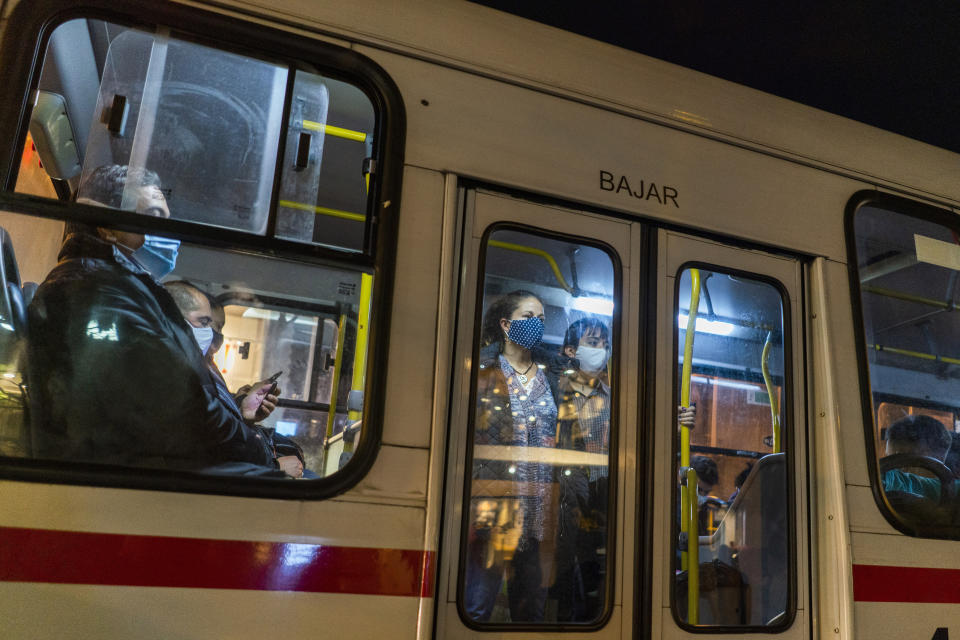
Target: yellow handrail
[(693, 547), (323, 211), (335, 383), (774, 407), (363, 330), (685, 401), (330, 130), (948, 305), (536, 252), (914, 354)]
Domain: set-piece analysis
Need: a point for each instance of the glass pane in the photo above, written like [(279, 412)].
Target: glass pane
[(207, 122), (908, 273), (118, 369), (202, 127), (733, 495), (326, 170), (537, 549)]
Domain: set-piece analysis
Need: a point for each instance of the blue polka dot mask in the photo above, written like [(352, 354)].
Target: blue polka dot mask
[(526, 332)]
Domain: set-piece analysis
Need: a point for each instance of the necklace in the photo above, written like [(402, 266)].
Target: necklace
[(522, 377)]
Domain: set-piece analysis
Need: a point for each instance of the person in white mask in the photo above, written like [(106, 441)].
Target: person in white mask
[(197, 310)]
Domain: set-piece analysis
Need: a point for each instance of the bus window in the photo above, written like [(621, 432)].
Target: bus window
[(191, 307), (210, 123), (906, 281), (101, 385), (537, 516), (732, 494)]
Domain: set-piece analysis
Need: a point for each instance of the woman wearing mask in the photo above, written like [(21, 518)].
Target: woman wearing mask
[(515, 408)]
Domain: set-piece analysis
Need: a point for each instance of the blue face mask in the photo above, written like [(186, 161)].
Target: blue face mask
[(158, 255), (526, 332)]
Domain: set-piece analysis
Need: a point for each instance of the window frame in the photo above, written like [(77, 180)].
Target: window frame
[(23, 46), (920, 211), (613, 469), (788, 437)]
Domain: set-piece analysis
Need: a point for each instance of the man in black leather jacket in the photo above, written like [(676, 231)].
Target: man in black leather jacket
[(115, 375)]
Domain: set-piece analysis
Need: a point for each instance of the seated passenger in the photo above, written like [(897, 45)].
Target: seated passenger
[(197, 310), (918, 435), (115, 375)]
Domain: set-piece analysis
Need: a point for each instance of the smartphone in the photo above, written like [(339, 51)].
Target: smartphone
[(273, 379)]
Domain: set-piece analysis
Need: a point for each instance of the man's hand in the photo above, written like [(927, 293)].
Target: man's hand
[(255, 396), (291, 466), (687, 416)]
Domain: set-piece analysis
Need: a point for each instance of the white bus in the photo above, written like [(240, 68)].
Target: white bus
[(566, 341)]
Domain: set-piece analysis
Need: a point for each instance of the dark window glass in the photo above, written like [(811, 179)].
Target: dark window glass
[(907, 269)]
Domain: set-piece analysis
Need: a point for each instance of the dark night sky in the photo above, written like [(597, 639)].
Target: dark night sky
[(892, 65)]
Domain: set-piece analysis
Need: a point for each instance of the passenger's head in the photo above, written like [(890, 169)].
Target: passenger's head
[(918, 435), (707, 474), (588, 340), (105, 186), (194, 305), (219, 315), (742, 476), (516, 317)]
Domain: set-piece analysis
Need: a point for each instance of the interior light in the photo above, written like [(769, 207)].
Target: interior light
[(598, 306), (746, 386), (716, 327)]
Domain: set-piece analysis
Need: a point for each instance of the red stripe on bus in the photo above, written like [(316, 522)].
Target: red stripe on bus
[(73, 557), (879, 583)]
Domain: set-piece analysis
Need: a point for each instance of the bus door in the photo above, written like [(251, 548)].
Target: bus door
[(543, 408), (729, 547)]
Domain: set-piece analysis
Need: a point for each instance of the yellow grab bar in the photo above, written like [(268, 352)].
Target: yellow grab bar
[(330, 130), (693, 548), (363, 332), (909, 297), (774, 405), (323, 211), (535, 252), (685, 497), (335, 383), (914, 354)]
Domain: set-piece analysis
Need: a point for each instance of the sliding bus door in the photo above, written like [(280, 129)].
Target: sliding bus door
[(534, 539), (730, 541)]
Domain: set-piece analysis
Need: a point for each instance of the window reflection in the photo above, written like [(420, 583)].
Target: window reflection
[(536, 538)]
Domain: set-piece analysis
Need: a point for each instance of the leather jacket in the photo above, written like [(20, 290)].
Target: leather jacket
[(115, 375)]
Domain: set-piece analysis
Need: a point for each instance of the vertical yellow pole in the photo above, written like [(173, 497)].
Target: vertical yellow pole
[(693, 544), (363, 334), (685, 494), (774, 403), (335, 383)]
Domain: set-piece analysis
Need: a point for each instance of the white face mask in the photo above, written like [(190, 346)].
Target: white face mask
[(592, 359), (204, 337)]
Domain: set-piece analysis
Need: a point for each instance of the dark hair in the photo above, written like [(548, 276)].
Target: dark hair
[(502, 307), (953, 455), (706, 469), (105, 184), (742, 476), (922, 434), (185, 295), (585, 326)]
